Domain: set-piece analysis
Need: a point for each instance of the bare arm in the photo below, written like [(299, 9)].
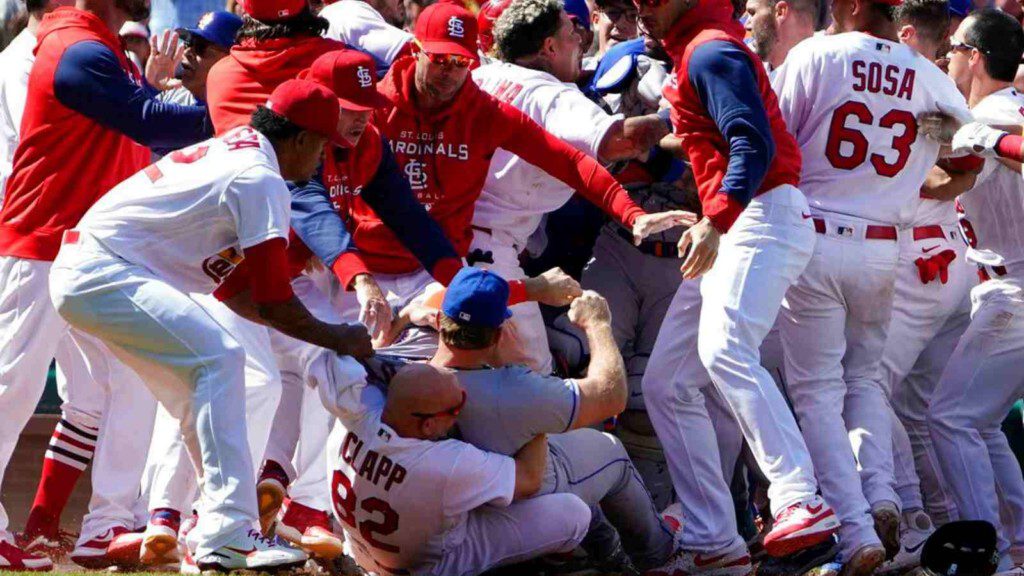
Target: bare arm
[(603, 392), (946, 186), (293, 319), (631, 137), (530, 463)]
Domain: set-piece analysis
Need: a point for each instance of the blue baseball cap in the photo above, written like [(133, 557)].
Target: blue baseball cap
[(217, 27), (477, 297), (578, 10), (960, 8)]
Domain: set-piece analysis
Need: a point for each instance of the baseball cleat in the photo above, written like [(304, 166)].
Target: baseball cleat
[(917, 529), (159, 544), (253, 552), (15, 559), (864, 561), (887, 526), (188, 564), (54, 547), (271, 490), (117, 547), (731, 561), (309, 529), (801, 526)]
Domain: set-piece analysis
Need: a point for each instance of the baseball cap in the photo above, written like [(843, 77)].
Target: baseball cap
[(963, 548), (309, 106), (485, 20), (447, 28), (273, 10), (477, 297), (134, 30), (351, 75), (578, 11), (960, 8), (217, 28)]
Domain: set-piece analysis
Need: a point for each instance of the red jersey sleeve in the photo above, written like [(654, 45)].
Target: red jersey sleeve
[(269, 274), (522, 136)]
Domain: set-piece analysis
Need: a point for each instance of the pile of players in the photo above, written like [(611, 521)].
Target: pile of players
[(467, 294)]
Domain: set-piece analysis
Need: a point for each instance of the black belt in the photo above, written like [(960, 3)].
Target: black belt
[(651, 247)]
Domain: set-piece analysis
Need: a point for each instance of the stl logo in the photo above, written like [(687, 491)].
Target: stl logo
[(417, 177), (455, 27), (363, 75)]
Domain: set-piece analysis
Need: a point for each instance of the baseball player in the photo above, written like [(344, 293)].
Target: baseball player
[(385, 453), (851, 100), (81, 89), (982, 378), (509, 404), (433, 128), (539, 49), (753, 243), (930, 293), (775, 26), (278, 39), (180, 226)]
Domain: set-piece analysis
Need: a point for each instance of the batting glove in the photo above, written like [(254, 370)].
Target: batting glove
[(978, 139)]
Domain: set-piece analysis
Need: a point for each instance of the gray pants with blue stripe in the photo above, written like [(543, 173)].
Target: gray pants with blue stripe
[(595, 467)]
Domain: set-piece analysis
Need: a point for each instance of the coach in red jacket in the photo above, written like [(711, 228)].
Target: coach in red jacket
[(755, 239), (444, 130)]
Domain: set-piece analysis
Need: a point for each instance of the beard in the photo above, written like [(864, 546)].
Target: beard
[(137, 10), (765, 37)]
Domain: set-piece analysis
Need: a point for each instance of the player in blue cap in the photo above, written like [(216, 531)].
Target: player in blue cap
[(205, 45)]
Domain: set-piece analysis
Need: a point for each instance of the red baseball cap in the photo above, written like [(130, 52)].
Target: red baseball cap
[(309, 106), (447, 28), (485, 20), (351, 75), (273, 10)]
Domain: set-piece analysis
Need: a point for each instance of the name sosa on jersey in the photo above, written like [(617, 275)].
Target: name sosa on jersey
[(890, 80)]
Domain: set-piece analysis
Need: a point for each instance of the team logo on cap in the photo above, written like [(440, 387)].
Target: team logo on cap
[(205, 20), (363, 75), (455, 27)]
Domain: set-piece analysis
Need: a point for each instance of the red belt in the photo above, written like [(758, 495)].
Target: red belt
[(983, 274), (929, 232), (70, 237), (872, 232)]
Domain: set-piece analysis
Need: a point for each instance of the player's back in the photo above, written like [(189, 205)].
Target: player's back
[(852, 101), (188, 216)]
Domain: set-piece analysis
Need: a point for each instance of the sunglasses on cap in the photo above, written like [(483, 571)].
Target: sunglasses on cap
[(449, 60), (453, 411)]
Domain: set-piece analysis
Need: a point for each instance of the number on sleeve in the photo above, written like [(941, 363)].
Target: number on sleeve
[(839, 133)]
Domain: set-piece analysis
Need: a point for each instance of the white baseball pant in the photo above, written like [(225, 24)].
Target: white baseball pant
[(761, 256), (919, 313), (833, 331), (192, 366), (31, 335), (982, 381), (172, 480), (526, 316)]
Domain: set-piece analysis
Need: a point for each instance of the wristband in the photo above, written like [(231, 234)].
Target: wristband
[(516, 292)]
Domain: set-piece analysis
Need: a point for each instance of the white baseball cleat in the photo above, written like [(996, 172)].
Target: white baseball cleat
[(159, 545), (254, 552), (731, 561), (917, 528), (801, 526)]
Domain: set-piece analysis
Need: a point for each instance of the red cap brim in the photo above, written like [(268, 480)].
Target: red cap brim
[(448, 47), (374, 100)]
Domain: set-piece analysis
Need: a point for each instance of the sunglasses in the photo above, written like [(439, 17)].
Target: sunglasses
[(957, 45), (616, 14), (201, 45), (447, 60), (453, 412)]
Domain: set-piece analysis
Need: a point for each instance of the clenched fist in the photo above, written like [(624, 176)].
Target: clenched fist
[(589, 310), (352, 340), (554, 288)]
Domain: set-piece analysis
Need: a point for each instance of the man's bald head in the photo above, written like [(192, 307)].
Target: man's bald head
[(420, 400)]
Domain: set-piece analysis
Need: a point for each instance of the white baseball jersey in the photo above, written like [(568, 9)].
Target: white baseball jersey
[(357, 24), (516, 194), (15, 64), (189, 216), (402, 501), (852, 101), (992, 213)]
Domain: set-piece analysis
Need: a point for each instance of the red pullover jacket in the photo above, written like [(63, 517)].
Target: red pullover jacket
[(245, 79), (446, 153), (755, 155)]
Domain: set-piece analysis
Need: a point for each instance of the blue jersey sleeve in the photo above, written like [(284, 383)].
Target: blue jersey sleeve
[(316, 222), (89, 80), (723, 76)]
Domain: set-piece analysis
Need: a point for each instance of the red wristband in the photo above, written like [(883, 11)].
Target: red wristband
[(1009, 147), (516, 292)]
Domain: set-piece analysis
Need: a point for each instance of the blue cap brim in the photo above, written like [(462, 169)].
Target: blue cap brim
[(184, 33)]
